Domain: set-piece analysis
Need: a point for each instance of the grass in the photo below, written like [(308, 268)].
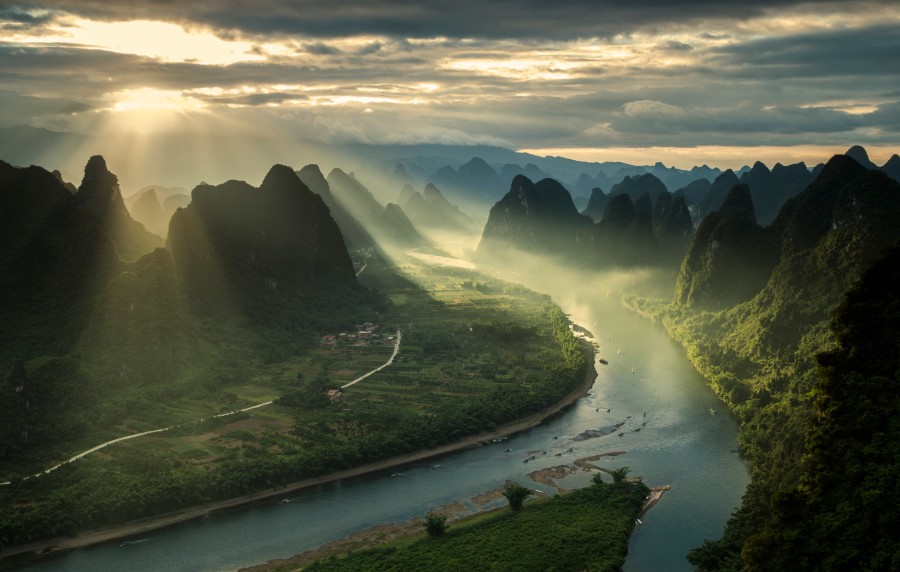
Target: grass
[(587, 529), (476, 353)]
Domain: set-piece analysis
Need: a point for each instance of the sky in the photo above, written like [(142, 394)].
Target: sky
[(684, 82)]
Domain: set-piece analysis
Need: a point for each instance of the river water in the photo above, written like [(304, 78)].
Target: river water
[(670, 436)]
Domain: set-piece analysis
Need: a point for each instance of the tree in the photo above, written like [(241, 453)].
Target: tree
[(516, 495), (619, 474), (435, 524), (597, 478)]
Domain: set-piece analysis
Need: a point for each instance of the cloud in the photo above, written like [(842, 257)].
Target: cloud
[(433, 18), (524, 73)]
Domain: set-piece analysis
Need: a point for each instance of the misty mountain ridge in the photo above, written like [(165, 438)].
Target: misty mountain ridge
[(387, 224), (541, 218)]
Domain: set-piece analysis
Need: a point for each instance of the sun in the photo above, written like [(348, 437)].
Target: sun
[(148, 110)]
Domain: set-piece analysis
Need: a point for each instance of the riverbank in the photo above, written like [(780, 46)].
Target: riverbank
[(16, 556), (579, 527)]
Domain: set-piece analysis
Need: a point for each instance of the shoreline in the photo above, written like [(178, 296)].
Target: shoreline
[(53, 546)]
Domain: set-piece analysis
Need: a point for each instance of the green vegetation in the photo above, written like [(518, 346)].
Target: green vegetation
[(619, 475), (435, 524), (471, 360), (516, 495), (760, 355), (843, 515), (586, 529)]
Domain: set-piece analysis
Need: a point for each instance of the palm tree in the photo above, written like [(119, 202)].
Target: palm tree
[(435, 524), (516, 495), (619, 474)]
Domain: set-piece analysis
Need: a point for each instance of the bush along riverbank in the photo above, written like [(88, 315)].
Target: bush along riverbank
[(585, 529)]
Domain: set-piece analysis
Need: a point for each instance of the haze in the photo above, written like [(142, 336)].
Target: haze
[(684, 82)]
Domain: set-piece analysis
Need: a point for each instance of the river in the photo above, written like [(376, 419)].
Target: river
[(671, 436)]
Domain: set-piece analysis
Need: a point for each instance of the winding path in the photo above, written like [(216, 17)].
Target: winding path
[(257, 406), (379, 368)]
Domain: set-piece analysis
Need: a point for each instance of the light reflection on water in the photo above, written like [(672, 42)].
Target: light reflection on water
[(682, 444)]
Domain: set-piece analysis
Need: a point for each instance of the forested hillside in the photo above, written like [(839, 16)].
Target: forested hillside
[(759, 354)]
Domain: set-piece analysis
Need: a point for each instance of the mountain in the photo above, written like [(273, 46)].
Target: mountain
[(671, 218), (635, 186), (729, 243), (385, 225), (840, 515), (759, 353), (596, 206), (861, 156), (694, 191), (58, 253), (431, 211), (99, 193), (354, 234), (261, 253), (475, 184), (716, 195), (406, 192), (892, 167), (148, 211), (534, 218), (174, 202), (771, 189)]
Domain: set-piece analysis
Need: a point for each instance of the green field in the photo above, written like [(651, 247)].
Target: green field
[(586, 529), (476, 353)]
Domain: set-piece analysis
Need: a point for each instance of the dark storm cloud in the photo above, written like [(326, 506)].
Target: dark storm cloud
[(17, 18), (434, 18), (865, 51)]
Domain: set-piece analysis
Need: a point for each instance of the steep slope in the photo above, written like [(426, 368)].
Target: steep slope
[(375, 219), (596, 206), (771, 189), (431, 211), (99, 194), (728, 244), (843, 514), (892, 167), (759, 355), (694, 191), (714, 198), (148, 211), (639, 185), (354, 235), (861, 156), (269, 254), (534, 218), (57, 250)]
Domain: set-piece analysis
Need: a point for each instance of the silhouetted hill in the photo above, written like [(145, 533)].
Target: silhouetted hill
[(56, 252), (892, 167), (671, 218), (405, 193), (354, 234), (148, 211), (859, 154), (99, 194), (694, 191), (714, 198), (596, 206), (431, 211), (391, 227), (534, 218), (174, 202), (635, 186), (726, 262), (265, 253), (771, 189)]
